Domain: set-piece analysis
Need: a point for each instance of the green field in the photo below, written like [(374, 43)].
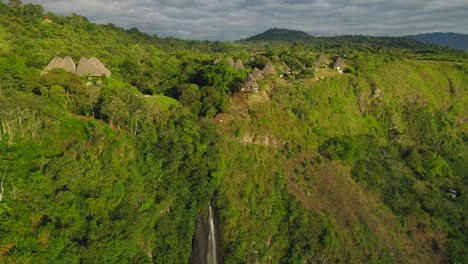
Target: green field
[(161, 101)]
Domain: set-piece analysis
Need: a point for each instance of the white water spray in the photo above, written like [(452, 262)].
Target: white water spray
[(211, 254)]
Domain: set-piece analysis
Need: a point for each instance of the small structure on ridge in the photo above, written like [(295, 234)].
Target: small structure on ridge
[(239, 65), (257, 74), (322, 62), (230, 61), (269, 69), (339, 65)]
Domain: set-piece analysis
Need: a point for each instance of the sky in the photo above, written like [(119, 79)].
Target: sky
[(237, 19)]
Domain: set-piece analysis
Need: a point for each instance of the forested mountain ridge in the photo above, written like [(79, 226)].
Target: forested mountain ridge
[(420, 41), (317, 167), (453, 40)]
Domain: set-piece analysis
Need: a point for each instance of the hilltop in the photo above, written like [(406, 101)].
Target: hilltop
[(453, 40), (280, 34), (310, 165)]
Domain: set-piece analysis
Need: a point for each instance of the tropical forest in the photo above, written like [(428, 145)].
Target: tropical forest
[(278, 148)]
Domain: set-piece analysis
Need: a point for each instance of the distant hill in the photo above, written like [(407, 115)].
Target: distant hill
[(453, 40), (280, 34)]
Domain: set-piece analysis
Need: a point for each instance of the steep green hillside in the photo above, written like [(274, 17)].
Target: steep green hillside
[(372, 171), (368, 166)]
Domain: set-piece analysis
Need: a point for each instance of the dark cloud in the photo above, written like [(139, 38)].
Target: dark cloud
[(235, 19)]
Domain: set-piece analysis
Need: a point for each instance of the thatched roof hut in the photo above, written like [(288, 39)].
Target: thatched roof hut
[(339, 65), (91, 67), (230, 61), (239, 65), (57, 62), (321, 61), (269, 69), (68, 64), (100, 66), (257, 74), (53, 64), (250, 86), (250, 78), (217, 61)]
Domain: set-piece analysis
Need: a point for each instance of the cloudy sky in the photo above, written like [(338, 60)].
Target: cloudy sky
[(236, 19)]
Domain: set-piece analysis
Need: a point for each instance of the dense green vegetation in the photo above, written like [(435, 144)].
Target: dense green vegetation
[(322, 167)]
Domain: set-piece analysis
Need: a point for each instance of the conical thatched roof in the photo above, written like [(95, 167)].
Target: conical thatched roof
[(91, 67), (250, 86), (230, 61), (269, 69), (239, 65), (67, 64), (86, 68), (217, 61), (321, 61), (339, 63), (257, 73), (53, 64), (100, 66)]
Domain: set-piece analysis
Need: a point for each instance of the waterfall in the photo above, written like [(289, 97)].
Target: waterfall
[(211, 253), (206, 244)]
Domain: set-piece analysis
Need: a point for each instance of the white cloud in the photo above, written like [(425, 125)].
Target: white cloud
[(235, 19)]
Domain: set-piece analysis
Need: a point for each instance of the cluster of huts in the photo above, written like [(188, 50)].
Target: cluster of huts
[(256, 74), (91, 67), (269, 70), (322, 62)]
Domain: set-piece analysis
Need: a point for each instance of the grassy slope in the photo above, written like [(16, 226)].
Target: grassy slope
[(162, 102), (303, 115)]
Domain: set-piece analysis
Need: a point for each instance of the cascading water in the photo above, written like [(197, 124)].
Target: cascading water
[(211, 253), (205, 246)]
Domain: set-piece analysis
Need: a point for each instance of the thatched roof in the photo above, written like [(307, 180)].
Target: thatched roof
[(269, 69), (91, 67), (100, 66), (339, 63), (53, 64), (67, 64), (250, 86), (239, 65), (250, 78), (321, 61), (230, 61), (257, 73), (217, 61)]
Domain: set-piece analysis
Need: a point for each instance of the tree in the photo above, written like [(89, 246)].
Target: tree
[(15, 3), (115, 109), (32, 10)]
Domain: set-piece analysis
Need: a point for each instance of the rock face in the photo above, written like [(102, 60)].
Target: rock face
[(205, 245)]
